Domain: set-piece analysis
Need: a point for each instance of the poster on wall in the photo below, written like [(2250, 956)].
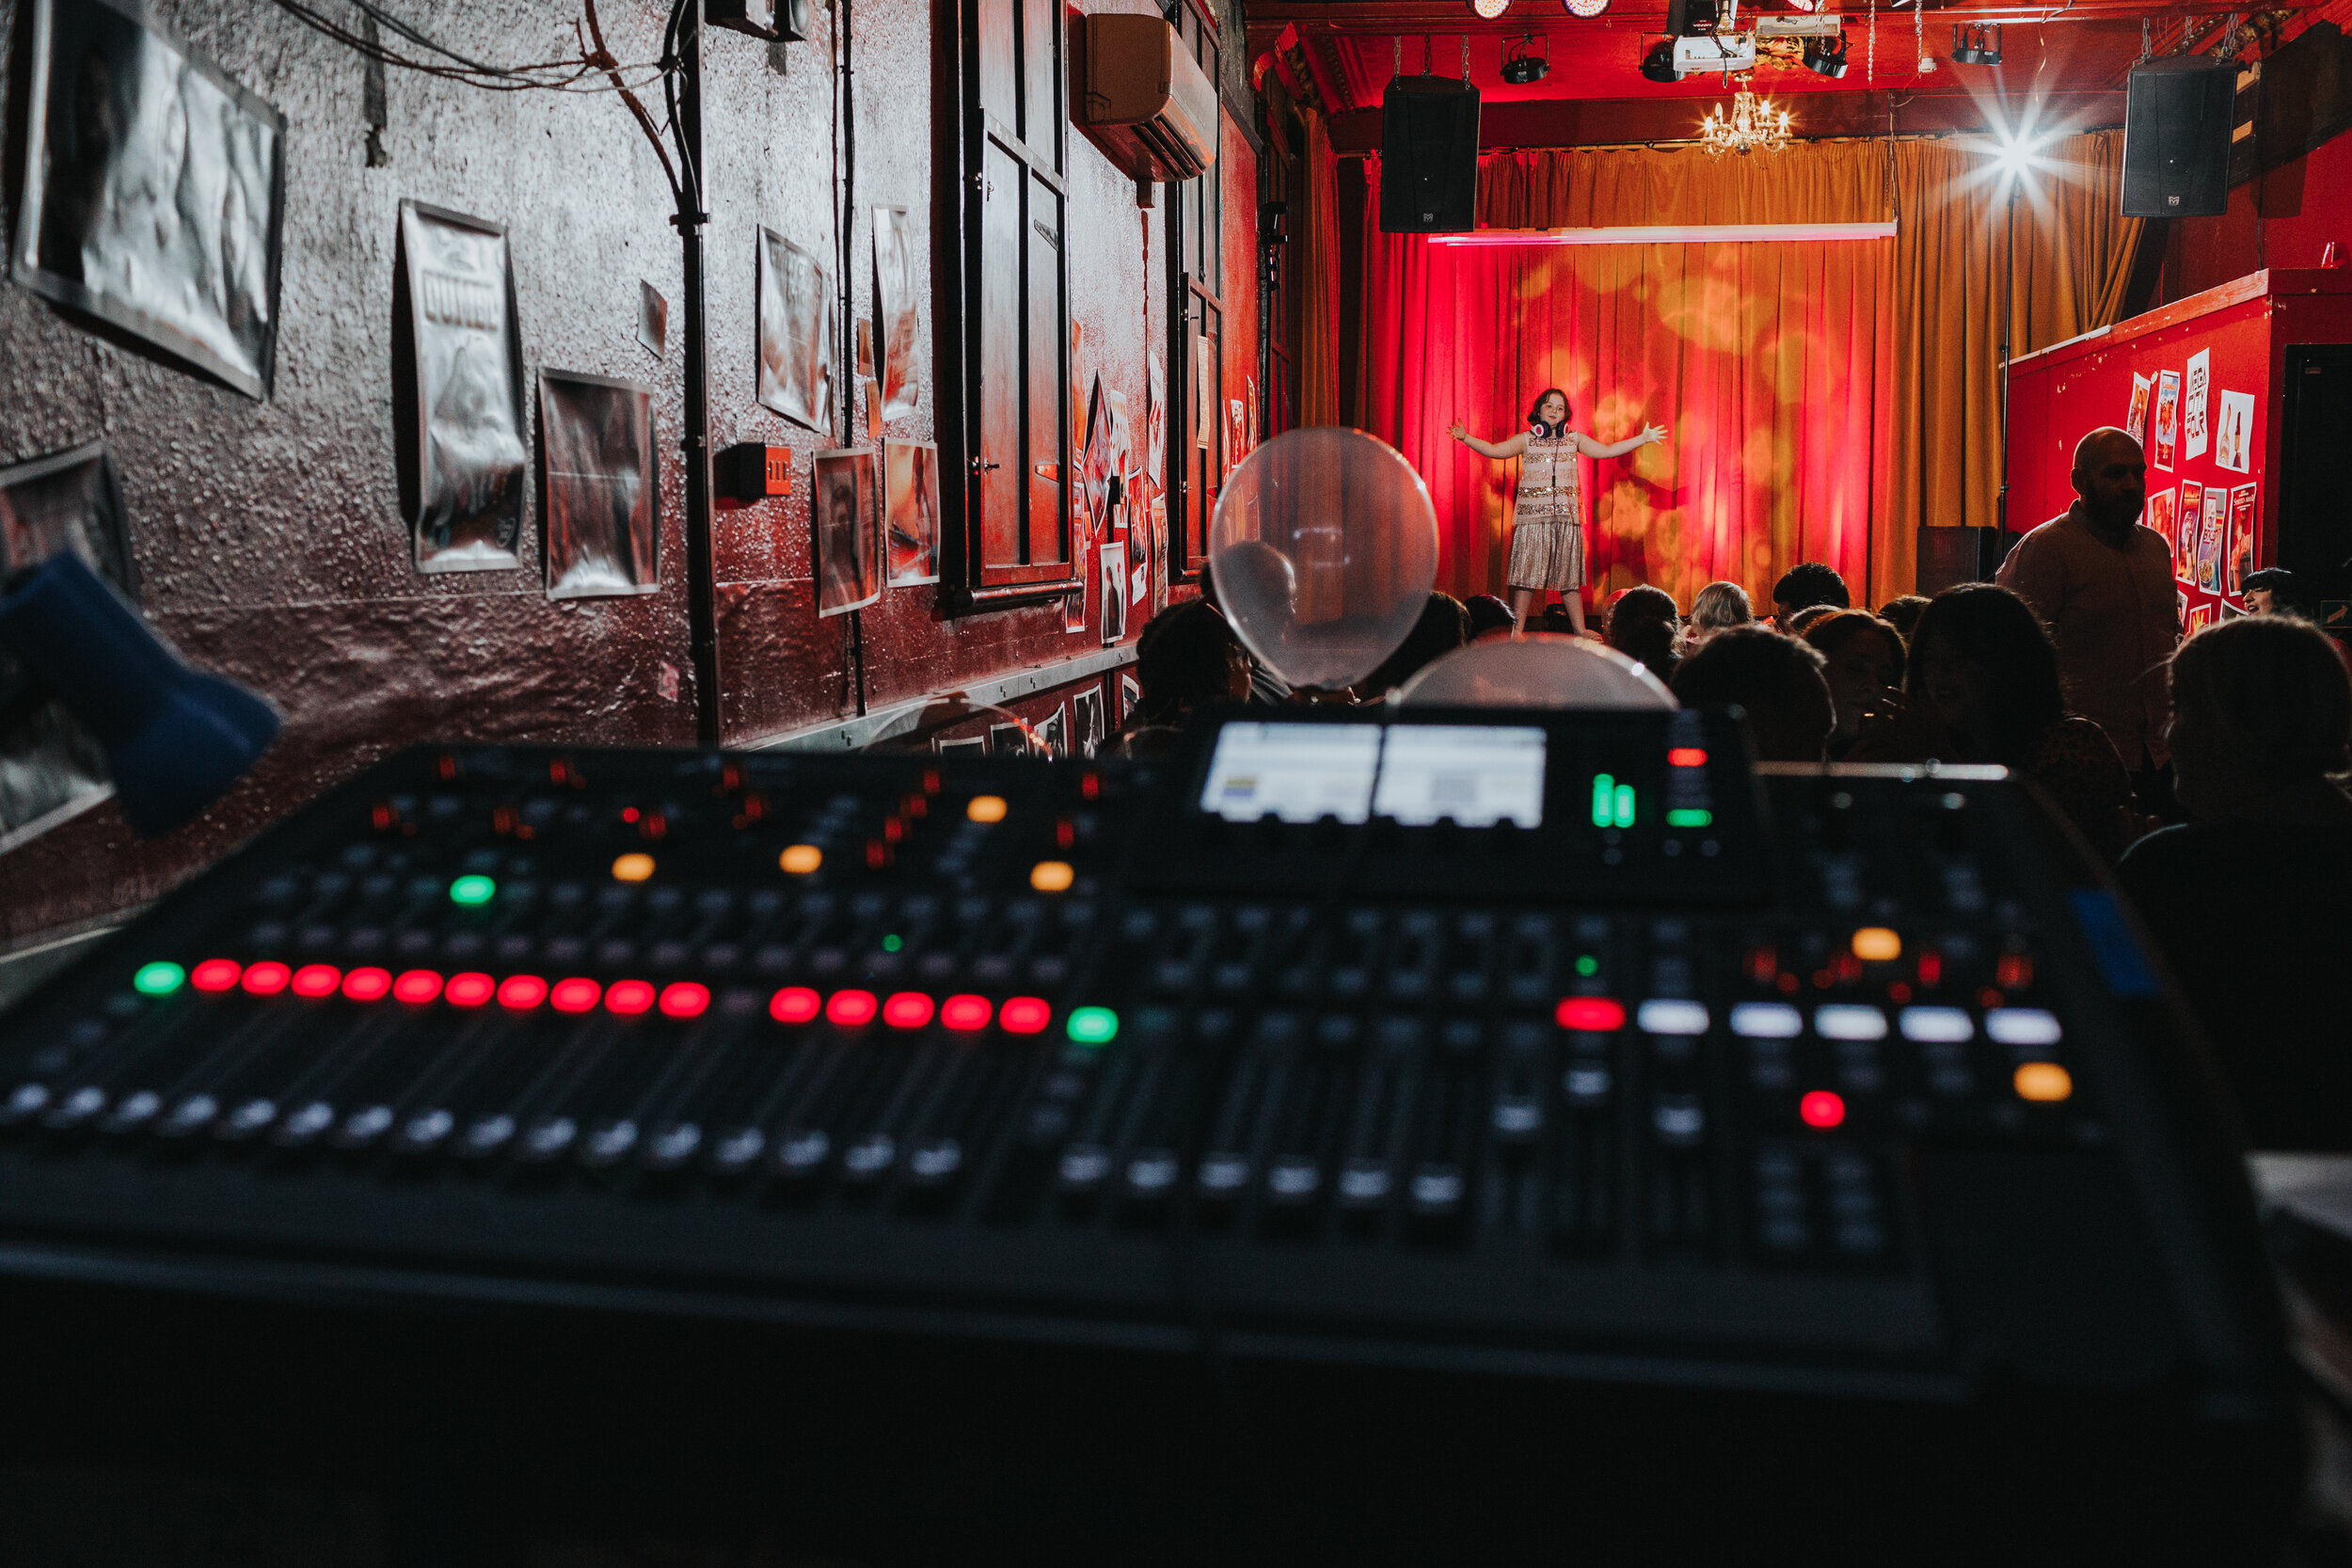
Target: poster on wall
[(1204, 400), (2234, 433), (2168, 417), (2136, 422), (153, 190), (911, 470), (1114, 591), (1096, 477), (2239, 555), (470, 463), (1155, 420), (796, 333), (2159, 515), (841, 511), (2187, 520), (1008, 740), (2193, 395), (601, 502), (1158, 532), (51, 769), (965, 745), (2200, 617), (2209, 539), (1130, 695), (1052, 733), (895, 297), (1086, 712)]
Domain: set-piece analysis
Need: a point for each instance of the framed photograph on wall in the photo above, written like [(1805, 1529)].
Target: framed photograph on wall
[(796, 333), (911, 483), (601, 507), (52, 769), (459, 368), (841, 510), (154, 189)]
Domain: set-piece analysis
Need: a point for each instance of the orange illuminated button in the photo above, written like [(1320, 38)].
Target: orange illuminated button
[(578, 994), (967, 1013), (1052, 876), (802, 859), (1023, 1015), (470, 990), (985, 808), (632, 868), (1686, 756), (1877, 944), (317, 980), (907, 1009), (794, 1004), (2044, 1082), (629, 997), (850, 1008), (266, 980)]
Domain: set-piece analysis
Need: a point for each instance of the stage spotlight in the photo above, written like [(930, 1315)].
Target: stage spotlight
[(1488, 10), (1826, 56), (1585, 8), (1659, 64), (1520, 68), (1978, 44)]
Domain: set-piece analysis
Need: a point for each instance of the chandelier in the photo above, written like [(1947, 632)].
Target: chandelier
[(1752, 124)]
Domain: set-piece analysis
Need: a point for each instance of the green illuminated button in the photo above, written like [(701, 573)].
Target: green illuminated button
[(1625, 805), (1604, 801), (1094, 1025), (1588, 966), (162, 979), (471, 890), (891, 944), (1689, 817)]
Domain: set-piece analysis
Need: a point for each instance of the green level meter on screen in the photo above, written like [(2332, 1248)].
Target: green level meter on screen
[(1612, 802)]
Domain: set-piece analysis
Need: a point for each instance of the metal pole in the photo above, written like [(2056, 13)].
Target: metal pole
[(702, 611), (2009, 303)]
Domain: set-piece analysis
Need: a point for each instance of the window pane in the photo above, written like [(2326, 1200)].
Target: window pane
[(1000, 490), (1047, 385), (996, 20), (1041, 77)]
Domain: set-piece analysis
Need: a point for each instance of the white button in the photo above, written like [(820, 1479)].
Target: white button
[(2022, 1026), (1847, 1021), (1937, 1024), (1766, 1021), (1660, 1015)]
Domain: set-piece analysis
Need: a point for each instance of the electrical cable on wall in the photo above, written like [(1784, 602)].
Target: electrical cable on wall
[(565, 75)]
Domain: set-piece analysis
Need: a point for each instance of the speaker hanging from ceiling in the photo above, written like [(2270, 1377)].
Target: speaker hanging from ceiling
[(1428, 156), (2177, 114)]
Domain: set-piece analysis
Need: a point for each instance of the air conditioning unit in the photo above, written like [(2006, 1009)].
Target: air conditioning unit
[(1728, 51), (1142, 99)]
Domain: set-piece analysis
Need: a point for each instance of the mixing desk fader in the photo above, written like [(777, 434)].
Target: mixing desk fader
[(1463, 1058)]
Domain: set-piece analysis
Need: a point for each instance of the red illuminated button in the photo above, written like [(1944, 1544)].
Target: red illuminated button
[(907, 1009), (794, 1004), (850, 1008), (1686, 756), (629, 997), (367, 985), (470, 990), (266, 980), (1023, 1015), (522, 993), (684, 999), (215, 974), (965, 1012), (1591, 1014), (417, 984), (1820, 1108), (575, 995), (317, 980)]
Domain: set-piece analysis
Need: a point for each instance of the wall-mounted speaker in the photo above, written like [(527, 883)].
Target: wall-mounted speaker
[(2177, 114), (1428, 156)]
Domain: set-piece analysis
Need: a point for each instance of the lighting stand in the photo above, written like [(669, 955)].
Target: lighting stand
[(2008, 302), (701, 614)]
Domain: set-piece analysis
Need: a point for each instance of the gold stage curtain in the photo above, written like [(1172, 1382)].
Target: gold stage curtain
[(1319, 275), (1825, 398)]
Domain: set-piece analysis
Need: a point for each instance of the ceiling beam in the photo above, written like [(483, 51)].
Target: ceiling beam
[(1267, 18), (1615, 122)]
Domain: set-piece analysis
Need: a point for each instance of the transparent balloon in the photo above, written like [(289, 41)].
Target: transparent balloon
[(1543, 669), (1325, 549)]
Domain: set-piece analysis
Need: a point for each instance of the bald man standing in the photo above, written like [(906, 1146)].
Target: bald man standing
[(2103, 584)]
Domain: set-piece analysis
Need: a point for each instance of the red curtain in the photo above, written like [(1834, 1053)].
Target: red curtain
[(1770, 364)]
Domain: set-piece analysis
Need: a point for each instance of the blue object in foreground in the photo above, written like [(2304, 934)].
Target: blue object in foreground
[(175, 738)]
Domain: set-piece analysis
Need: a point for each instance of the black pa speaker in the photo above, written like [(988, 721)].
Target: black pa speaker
[(2177, 112), (1428, 156)]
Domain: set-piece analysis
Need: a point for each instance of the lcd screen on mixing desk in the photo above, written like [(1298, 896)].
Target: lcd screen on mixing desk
[(1477, 775)]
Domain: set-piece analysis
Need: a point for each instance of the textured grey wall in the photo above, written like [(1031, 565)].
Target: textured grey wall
[(267, 535)]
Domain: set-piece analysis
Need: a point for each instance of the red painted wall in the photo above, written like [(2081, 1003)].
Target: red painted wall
[(267, 534), (2284, 219)]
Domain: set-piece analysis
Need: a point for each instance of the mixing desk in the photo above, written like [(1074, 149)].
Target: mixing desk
[(1554, 1052)]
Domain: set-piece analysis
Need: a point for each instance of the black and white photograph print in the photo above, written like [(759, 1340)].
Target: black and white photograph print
[(796, 333), (465, 446), (841, 510), (1114, 591), (899, 351), (601, 514), (154, 189)]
